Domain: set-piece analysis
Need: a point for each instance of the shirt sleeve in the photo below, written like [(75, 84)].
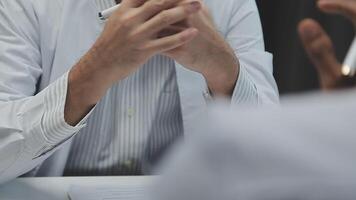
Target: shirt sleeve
[(32, 124), (256, 84), (245, 90), (54, 127), (33, 128)]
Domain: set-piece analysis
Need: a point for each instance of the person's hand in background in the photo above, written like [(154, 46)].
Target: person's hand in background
[(319, 46)]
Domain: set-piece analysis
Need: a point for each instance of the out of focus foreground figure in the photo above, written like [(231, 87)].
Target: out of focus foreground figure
[(303, 150)]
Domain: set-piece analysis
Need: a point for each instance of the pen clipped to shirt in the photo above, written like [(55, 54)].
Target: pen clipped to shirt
[(108, 12)]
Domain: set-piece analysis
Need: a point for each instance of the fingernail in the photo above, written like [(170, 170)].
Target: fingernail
[(194, 6)]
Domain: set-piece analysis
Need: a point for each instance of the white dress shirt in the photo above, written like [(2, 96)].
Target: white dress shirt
[(41, 40)]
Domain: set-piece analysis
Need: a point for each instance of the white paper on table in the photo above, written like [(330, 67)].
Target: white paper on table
[(127, 192)]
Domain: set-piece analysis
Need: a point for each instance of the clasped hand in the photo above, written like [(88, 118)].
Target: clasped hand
[(180, 29), (130, 36)]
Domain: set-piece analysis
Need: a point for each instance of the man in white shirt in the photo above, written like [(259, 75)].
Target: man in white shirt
[(129, 85), (304, 149)]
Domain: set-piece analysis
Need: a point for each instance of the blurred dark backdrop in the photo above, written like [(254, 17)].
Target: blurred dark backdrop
[(293, 71)]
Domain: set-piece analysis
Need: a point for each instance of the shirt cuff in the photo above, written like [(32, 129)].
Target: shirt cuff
[(245, 91), (55, 129)]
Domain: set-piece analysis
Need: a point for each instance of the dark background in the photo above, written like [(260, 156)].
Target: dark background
[(293, 71)]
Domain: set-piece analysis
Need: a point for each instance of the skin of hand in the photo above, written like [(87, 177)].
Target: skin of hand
[(319, 47), (208, 53), (113, 58)]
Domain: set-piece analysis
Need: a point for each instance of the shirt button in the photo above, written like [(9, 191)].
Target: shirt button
[(128, 164), (130, 112), (207, 96)]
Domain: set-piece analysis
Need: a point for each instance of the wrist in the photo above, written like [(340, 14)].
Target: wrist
[(87, 84), (221, 76), (88, 81), (101, 65)]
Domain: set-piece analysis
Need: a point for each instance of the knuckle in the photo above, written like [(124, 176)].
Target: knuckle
[(124, 22), (158, 4), (187, 9), (128, 18), (164, 17), (139, 48), (133, 37), (161, 4), (143, 47), (181, 39)]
